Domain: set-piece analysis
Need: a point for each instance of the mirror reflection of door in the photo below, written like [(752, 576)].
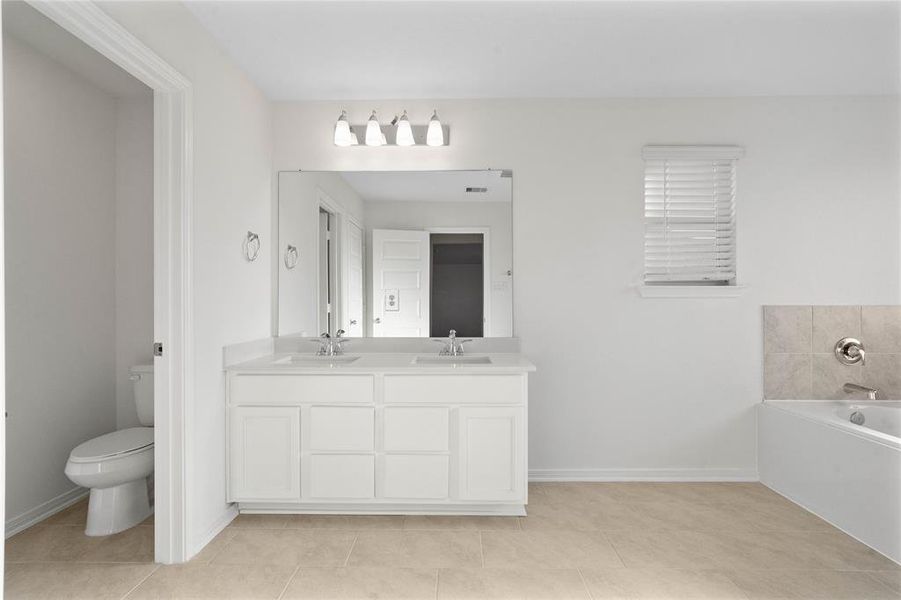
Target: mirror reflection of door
[(400, 283), (353, 296)]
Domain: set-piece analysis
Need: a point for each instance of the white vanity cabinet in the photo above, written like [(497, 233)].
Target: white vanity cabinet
[(378, 442)]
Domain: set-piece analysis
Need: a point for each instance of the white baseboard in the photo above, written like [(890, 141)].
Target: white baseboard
[(643, 475), (45, 510), (218, 525)]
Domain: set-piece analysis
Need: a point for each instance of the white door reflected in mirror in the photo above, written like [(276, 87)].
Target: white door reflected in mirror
[(402, 254)]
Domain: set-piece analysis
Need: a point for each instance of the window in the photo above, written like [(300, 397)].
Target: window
[(689, 212)]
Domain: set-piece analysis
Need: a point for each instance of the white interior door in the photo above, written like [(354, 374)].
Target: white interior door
[(400, 283), (353, 293)]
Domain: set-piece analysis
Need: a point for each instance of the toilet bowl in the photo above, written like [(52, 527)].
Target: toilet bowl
[(115, 467)]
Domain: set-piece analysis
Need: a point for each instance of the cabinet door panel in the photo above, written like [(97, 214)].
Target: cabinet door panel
[(415, 476), (264, 461), (455, 389), (294, 389), (342, 428), (422, 429), (491, 454), (337, 476)]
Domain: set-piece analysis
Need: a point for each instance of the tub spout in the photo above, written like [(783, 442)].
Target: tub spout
[(850, 388)]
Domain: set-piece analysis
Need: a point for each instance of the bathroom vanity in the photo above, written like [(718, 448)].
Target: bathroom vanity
[(379, 433)]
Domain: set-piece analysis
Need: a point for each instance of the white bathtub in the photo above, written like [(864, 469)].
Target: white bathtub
[(848, 474)]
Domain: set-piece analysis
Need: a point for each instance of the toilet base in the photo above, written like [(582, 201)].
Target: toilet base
[(117, 508)]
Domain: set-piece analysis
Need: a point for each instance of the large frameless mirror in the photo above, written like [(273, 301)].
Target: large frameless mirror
[(395, 254)]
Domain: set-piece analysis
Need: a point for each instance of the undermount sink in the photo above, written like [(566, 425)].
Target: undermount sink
[(452, 360), (313, 359)]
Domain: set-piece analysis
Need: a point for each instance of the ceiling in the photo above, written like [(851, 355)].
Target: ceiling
[(429, 186), (325, 50), (27, 25)]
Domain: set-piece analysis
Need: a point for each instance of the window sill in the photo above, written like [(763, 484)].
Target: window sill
[(691, 291)]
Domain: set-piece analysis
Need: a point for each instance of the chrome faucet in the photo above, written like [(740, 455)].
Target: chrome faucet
[(872, 393), (453, 346), (330, 346)]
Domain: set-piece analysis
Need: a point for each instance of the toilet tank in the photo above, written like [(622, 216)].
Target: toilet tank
[(142, 380)]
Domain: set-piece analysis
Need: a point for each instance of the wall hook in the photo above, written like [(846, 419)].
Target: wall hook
[(251, 246)]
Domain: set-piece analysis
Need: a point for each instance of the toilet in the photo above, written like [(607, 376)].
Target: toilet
[(115, 466)]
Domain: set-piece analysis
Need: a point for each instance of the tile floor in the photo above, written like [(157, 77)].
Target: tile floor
[(580, 541)]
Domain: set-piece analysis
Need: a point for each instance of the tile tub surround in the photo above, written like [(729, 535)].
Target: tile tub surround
[(799, 363), (714, 541)]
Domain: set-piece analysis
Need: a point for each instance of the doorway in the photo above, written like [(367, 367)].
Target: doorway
[(457, 284)]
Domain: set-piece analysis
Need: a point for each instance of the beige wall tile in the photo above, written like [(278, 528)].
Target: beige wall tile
[(787, 329), (828, 376), (832, 323), (554, 549), (812, 585), (196, 581), (881, 328), (419, 549), (656, 584), (42, 581), (883, 372), (363, 582), (787, 376), (279, 547), (511, 584)]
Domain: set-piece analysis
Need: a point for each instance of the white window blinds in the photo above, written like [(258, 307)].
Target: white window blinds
[(689, 210)]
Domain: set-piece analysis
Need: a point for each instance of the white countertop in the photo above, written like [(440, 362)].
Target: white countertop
[(383, 362)]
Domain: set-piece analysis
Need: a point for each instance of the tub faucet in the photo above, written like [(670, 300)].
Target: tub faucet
[(872, 393)]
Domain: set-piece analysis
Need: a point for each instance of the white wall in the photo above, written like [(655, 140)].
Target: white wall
[(134, 247), (632, 386), (496, 216), (60, 170), (232, 194), (298, 222)]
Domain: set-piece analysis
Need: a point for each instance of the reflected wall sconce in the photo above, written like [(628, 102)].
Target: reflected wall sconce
[(291, 257), (399, 132)]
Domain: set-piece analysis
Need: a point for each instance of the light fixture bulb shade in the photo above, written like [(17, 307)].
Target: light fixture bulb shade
[(404, 134), (342, 131), (353, 139), (435, 134), (373, 131)]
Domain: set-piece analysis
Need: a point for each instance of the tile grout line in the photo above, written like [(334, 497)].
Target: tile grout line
[(584, 583), (288, 583), (137, 585), (884, 585), (437, 577), (612, 546), (350, 551)]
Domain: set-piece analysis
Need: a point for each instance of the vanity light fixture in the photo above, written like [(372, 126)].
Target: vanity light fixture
[(399, 132), (374, 136), (343, 135), (404, 134), (435, 134)]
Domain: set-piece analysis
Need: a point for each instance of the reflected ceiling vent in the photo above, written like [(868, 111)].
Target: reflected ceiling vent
[(476, 190)]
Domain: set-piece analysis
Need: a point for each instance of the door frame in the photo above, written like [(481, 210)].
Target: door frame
[(173, 295), (486, 268)]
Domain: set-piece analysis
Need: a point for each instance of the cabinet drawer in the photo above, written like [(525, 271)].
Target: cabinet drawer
[(455, 389), (294, 389), (342, 428), (337, 476), (415, 476), (423, 429)]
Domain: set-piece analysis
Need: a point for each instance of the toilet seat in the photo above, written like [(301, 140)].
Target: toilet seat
[(117, 444)]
